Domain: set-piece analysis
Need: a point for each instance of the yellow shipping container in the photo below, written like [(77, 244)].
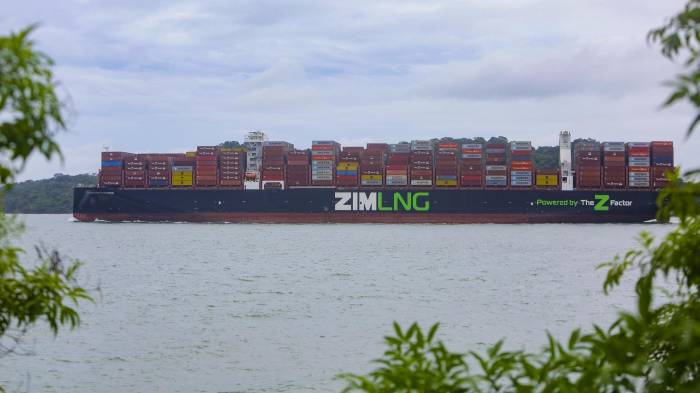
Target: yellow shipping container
[(347, 166), (371, 177), (191, 154), (547, 180), (445, 182)]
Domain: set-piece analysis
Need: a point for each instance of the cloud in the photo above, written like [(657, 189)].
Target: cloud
[(556, 71), (146, 76)]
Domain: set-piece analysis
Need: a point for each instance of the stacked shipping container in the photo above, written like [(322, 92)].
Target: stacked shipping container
[(521, 164), (446, 168), (298, 168), (346, 174), (638, 164), (547, 179), (397, 165), (587, 166), (323, 158), (496, 171), (135, 171), (111, 169), (614, 166), (232, 166), (273, 164), (158, 171), (182, 172), (662, 162), (471, 166), (372, 165), (206, 166), (421, 163)]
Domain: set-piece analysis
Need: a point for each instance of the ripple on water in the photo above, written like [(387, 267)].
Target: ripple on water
[(186, 308)]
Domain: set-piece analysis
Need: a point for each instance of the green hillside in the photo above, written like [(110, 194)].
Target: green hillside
[(53, 195)]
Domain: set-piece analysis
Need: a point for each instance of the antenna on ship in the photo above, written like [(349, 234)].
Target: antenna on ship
[(567, 179)]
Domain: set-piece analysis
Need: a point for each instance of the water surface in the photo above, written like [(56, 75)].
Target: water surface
[(284, 308)]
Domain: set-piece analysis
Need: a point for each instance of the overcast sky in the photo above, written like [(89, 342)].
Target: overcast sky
[(165, 76)]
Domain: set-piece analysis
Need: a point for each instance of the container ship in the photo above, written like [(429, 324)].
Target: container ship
[(418, 182)]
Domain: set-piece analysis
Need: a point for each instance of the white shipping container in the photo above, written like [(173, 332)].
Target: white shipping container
[(521, 145), (614, 146), (421, 182), (400, 148)]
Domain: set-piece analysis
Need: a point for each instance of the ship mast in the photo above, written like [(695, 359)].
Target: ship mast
[(567, 180), (254, 144)]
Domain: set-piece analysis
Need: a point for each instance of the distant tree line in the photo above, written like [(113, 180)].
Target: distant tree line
[(546, 157), (230, 144)]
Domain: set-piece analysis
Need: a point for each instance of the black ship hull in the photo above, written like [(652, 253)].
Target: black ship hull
[(329, 205)]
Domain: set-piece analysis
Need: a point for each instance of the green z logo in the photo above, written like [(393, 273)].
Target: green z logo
[(601, 201)]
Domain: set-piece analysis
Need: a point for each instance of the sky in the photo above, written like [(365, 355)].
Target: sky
[(166, 76)]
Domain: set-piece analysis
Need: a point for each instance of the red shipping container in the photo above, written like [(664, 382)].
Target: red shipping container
[(230, 183), (641, 169), (323, 147)]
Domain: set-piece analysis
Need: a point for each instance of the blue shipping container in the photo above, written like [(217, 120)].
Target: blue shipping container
[(663, 160)]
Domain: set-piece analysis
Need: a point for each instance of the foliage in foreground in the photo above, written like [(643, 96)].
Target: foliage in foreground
[(48, 291), (656, 348), (31, 114), (30, 108)]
